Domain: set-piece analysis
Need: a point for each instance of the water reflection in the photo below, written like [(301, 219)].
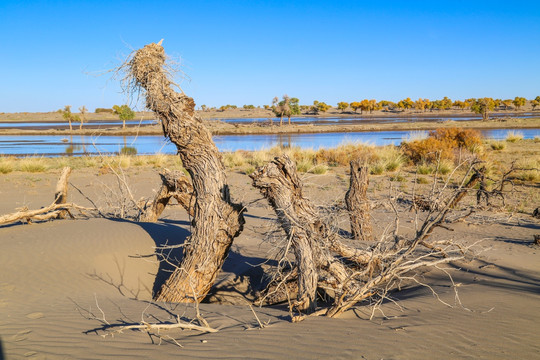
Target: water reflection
[(54, 145)]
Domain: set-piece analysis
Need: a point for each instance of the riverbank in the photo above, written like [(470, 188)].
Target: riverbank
[(222, 128)]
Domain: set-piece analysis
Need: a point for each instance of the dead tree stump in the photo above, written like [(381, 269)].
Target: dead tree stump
[(60, 194), (216, 220), (174, 185), (357, 203)]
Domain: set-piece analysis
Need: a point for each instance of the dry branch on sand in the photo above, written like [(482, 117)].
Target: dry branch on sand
[(57, 210), (216, 219), (345, 273)]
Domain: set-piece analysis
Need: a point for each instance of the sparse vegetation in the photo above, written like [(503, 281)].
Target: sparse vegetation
[(513, 136)]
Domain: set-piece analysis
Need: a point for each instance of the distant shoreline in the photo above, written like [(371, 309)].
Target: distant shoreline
[(372, 122), (221, 128)]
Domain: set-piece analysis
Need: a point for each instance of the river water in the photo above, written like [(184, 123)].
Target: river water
[(54, 145)]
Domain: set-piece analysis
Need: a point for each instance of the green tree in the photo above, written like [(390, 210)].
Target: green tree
[(286, 107), (69, 116), (124, 113), (483, 106), (342, 106), (535, 103), (519, 102)]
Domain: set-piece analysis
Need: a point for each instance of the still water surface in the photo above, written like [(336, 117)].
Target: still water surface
[(54, 145)]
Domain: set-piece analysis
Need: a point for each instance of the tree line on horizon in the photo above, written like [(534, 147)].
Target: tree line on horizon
[(288, 106)]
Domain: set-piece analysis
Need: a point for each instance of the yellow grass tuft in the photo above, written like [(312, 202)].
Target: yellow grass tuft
[(513, 136), (7, 165), (32, 165)]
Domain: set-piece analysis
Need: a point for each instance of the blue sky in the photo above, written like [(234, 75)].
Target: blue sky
[(55, 53)]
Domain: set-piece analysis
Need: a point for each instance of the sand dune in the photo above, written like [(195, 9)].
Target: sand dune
[(53, 275)]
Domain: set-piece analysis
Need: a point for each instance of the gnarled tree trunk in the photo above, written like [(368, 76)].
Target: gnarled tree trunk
[(358, 204), (216, 220), (174, 185)]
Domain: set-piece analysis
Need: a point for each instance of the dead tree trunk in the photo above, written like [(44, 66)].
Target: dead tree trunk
[(358, 204), (216, 220), (347, 274), (60, 195), (310, 237), (174, 185)]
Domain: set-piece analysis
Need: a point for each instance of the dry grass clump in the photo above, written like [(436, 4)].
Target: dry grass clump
[(6, 165), (386, 159), (497, 145), (344, 154), (234, 159), (32, 164), (537, 139), (415, 136), (513, 136), (443, 144), (530, 169)]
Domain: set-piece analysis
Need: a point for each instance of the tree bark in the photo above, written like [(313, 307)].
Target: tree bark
[(174, 185), (60, 194), (311, 239), (358, 204), (216, 220)]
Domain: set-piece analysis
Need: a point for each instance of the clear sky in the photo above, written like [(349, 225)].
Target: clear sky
[(247, 52)]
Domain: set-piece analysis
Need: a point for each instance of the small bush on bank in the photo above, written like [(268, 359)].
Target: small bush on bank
[(442, 144)]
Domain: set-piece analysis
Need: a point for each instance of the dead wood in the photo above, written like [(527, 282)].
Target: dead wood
[(216, 219), (174, 185), (323, 261), (60, 195), (357, 203), (57, 210)]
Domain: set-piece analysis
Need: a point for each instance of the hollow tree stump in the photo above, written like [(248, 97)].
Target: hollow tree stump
[(357, 203), (216, 219)]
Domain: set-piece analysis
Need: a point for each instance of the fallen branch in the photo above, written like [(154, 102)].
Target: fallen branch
[(57, 210)]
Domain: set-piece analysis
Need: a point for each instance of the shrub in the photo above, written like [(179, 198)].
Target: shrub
[(424, 169), (128, 150), (103, 110), (377, 168), (441, 145)]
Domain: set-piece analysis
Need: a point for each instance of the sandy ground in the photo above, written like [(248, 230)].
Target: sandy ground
[(54, 275)]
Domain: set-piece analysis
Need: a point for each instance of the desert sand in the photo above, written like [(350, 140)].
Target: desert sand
[(58, 278)]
